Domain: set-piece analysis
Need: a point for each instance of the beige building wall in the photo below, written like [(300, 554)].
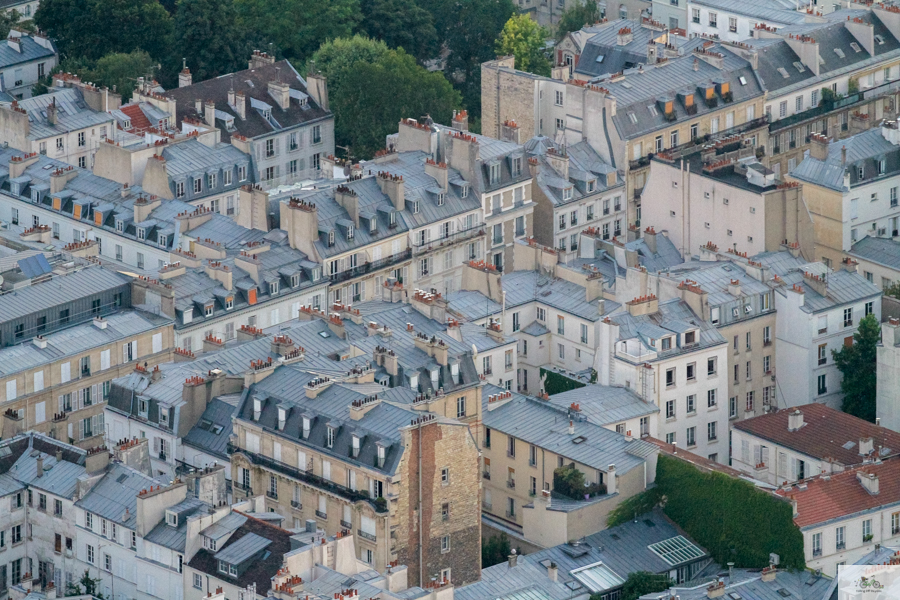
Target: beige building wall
[(826, 207)]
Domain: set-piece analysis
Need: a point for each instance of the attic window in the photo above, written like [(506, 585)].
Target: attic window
[(632, 117), (330, 441), (743, 80), (162, 240), (567, 193), (331, 238), (393, 218), (464, 192), (229, 303), (579, 439), (35, 195), (295, 280), (495, 172), (441, 199), (516, 165), (141, 233), (273, 288), (653, 112), (372, 225), (416, 207), (839, 52), (880, 40), (120, 226), (855, 47), (799, 66), (172, 519), (599, 58), (783, 72), (208, 310)]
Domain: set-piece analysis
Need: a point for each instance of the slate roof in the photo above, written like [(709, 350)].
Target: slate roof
[(175, 538), (585, 165), (826, 433), (471, 305), (772, 12), (194, 157), (546, 425), (861, 147), (881, 251), (114, 497), (31, 50), (636, 94), (842, 495), (605, 405), (259, 571), (672, 317), (748, 585), (714, 278), (253, 83), (602, 54), (73, 113), (18, 467), (522, 287), (213, 429)]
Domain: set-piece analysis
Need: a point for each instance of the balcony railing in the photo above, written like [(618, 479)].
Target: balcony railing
[(510, 483), (346, 525), (449, 240), (305, 477), (321, 515), (296, 504), (486, 474), (272, 495), (366, 536), (370, 267)]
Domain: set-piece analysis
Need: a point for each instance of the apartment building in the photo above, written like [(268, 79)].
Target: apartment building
[(851, 189), (711, 90), (736, 21), (887, 399), (268, 111), (525, 442), (58, 383), (875, 259), (68, 124), (573, 188), (331, 451), (727, 198), (787, 446), (661, 348), (817, 310), (867, 517), (24, 8), (733, 296), (615, 408), (24, 59)]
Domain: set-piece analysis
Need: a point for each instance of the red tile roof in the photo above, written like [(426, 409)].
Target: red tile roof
[(824, 434), (702, 463), (139, 121), (830, 497)]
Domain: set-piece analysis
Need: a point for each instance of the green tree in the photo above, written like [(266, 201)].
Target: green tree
[(856, 363), (207, 35), (644, 582), (85, 586), (336, 59), (468, 30), (401, 24), (127, 25), (115, 71), (575, 17), (494, 550), (296, 28), (893, 290), (524, 38)]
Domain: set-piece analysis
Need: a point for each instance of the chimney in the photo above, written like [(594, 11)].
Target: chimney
[(843, 155), (734, 287), (52, 111), (571, 428), (209, 113), (40, 465), (509, 132), (59, 455), (552, 571), (611, 481), (818, 146), (624, 36), (866, 446), (650, 239), (643, 305), (184, 78), (281, 93), (513, 559), (716, 589), (392, 186), (198, 106), (260, 59), (460, 120), (317, 87), (795, 420), (240, 105), (869, 481), (651, 53)]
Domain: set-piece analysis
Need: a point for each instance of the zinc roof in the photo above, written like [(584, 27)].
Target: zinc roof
[(605, 405), (59, 289), (114, 497), (30, 50)]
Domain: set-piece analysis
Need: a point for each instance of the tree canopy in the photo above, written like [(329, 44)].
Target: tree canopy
[(856, 363), (639, 583), (494, 550), (207, 34), (575, 17), (524, 38), (372, 87), (115, 71), (401, 24)]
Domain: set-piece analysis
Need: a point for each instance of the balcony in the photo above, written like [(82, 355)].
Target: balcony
[(307, 478), (817, 552), (321, 514), (346, 525), (511, 483), (449, 240), (296, 505), (486, 475), (487, 506), (840, 545), (272, 495), (371, 267), (366, 536)]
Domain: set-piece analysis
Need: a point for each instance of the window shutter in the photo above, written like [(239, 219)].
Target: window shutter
[(764, 455), (134, 352), (65, 373), (61, 405), (362, 291), (104, 360), (157, 342), (38, 381), (757, 454), (782, 466), (125, 353)]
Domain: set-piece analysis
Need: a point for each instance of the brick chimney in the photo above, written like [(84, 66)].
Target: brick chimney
[(185, 78), (460, 120), (392, 186), (280, 93), (643, 305), (650, 239), (260, 59), (509, 132), (300, 219), (818, 146)]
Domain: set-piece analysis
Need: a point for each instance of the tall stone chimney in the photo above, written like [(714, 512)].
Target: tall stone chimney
[(795, 420), (185, 78), (460, 120), (317, 87)]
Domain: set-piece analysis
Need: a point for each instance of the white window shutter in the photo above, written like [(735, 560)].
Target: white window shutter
[(61, 405), (745, 451), (65, 372), (71, 430), (157, 342), (38, 381), (134, 351), (295, 310), (40, 412), (125, 353), (11, 389), (757, 454), (362, 291), (104, 360)]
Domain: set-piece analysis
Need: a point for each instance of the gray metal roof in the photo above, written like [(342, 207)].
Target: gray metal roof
[(605, 405), (881, 251), (243, 549), (77, 339), (72, 114), (772, 12), (194, 157), (30, 50), (58, 290), (225, 526), (665, 321), (213, 429), (830, 172), (114, 497), (522, 287), (546, 425), (175, 538), (748, 585), (472, 306)]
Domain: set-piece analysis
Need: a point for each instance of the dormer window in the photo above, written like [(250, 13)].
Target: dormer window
[(494, 172), (208, 310), (516, 166), (163, 416), (120, 226), (295, 280), (331, 238), (209, 543), (356, 445), (171, 519), (393, 218), (590, 186), (35, 195), (350, 232), (666, 343), (382, 451), (860, 172), (227, 569), (141, 233), (567, 193), (329, 442), (464, 192), (142, 408), (229, 302), (690, 337), (163, 241), (273, 288), (415, 207), (306, 425), (211, 181), (372, 224), (441, 199), (179, 189), (315, 274), (198, 185)]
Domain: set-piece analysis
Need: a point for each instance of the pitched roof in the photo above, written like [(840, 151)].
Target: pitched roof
[(605, 405), (826, 498), (881, 251), (31, 50), (831, 171), (253, 83), (826, 433)]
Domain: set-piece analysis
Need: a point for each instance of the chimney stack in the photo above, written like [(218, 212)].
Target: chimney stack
[(866, 446), (40, 465), (795, 420), (513, 559), (52, 112), (209, 113), (571, 427), (460, 120), (184, 78), (869, 481)]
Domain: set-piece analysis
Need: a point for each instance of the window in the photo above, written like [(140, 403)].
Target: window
[(895, 523), (732, 24), (848, 317), (670, 377), (711, 366), (839, 542), (750, 401), (867, 530), (713, 18), (460, 407), (561, 325), (511, 446), (317, 134), (691, 436), (711, 398), (198, 581), (673, 138), (659, 144), (584, 334), (90, 554), (691, 403), (822, 384), (869, 308), (822, 354), (562, 351), (559, 98), (670, 409), (692, 371), (711, 431), (670, 438), (695, 15), (445, 544), (541, 314), (445, 475)]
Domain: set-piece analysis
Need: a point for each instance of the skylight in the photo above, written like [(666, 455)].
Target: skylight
[(600, 58), (743, 80), (632, 117), (839, 52), (855, 47), (799, 66), (879, 39), (676, 550), (783, 72)]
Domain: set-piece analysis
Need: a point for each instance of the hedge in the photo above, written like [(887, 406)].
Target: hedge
[(557, 383), (731, 518)]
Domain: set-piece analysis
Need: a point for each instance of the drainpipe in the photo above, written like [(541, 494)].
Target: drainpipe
[(503, 312), (419, 477)]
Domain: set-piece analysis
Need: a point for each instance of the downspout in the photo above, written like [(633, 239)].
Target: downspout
[(419, 477)]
